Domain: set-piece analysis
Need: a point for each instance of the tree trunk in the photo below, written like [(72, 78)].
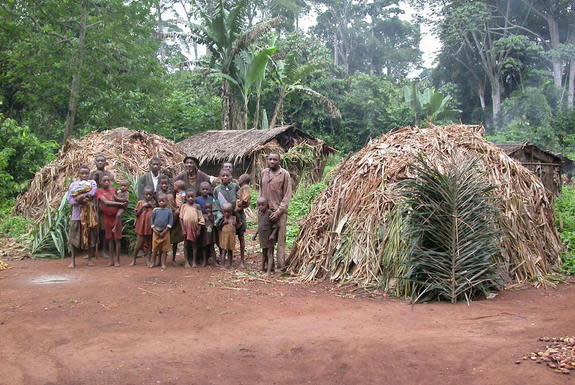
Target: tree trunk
[(77, 64), (335, 49), (496, 96), (236, 117), (556, 63), (277, 109), (257, 113), (571, 85), (226, 107), (481, 93)]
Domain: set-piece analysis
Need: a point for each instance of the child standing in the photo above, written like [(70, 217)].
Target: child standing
[(267, 232), (123, 196), (143, 211), (84, 220), (208, 235), (204, 196), (191, 219), (109, 209), (243, 202), (162, 219), (227, 234), (176, 235)]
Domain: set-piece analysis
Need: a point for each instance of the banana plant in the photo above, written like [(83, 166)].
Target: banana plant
[(50, 234), (430, 105)]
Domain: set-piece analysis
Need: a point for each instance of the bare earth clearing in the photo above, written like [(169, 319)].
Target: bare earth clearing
[(101, 325)]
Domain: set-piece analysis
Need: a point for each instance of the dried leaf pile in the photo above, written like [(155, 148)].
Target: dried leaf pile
[(128, 153), (559, 354), (353, 233)]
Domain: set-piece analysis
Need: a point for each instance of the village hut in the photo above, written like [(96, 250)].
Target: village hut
[(302, 154), (352, 233), (128, 153), (544, 164)]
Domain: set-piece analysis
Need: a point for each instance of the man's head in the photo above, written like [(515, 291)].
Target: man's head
[(155, 165), (228, 166), (273, 160), (191, 163), (101, 162), (83, 172)]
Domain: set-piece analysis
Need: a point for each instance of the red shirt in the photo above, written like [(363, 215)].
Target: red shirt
[(109, 195)]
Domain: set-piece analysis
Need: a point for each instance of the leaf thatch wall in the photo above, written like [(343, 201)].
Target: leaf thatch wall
[(128, 153), (352, 231)]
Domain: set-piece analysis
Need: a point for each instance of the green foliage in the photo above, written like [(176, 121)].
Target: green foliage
[(451, 224), (21, 154), (565, 218), (429, 106), (50, 235)]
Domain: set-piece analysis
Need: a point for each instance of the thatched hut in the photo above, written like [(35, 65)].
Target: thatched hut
[(304, 154), (352, 233), (546, 165), (128, 153)]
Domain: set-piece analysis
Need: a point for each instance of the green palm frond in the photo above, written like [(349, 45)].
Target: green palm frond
[(50, 234), (452, 228)]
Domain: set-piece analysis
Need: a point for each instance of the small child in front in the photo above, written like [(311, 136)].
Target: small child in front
[(122, 196), (162, 219), (191, 219), (208, 235), (143, 211), (204, 196), (243, 202), (267, 232), (84, 220), (176, 236), (227, 234)]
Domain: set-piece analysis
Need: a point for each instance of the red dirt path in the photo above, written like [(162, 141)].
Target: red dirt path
[(209, 326)]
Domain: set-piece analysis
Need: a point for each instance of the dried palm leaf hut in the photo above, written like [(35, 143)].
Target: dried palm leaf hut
[(352, 233), (303, 155), (128, 153)]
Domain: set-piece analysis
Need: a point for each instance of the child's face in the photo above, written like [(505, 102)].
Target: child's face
[(208, 208), (149, 195), (225, 178), (84, 174), (162, 202), (205, 190), (190, 197), (105, 182), (101, 163), (164, 185), (227, 213), (123, 187), (262, 206)]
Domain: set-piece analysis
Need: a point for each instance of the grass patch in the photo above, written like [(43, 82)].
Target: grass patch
[(565, 218)]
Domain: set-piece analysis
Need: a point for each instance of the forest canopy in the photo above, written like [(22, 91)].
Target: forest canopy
[(342, 70)]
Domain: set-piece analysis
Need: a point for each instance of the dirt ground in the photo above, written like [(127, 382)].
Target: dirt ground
[(134, 325)]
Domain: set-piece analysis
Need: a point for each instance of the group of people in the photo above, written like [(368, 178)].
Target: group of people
[(200, 210)]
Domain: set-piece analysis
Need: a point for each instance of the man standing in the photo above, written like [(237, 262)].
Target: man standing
[(193, 176), (150, 178), (275, 186)]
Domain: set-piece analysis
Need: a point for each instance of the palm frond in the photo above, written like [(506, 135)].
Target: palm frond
[(254, 33), (452, 227), (327, 103)]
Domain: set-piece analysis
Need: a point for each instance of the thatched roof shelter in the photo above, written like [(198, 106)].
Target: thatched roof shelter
[(128, 153), (545, 164), (247, 148), (352, 231)]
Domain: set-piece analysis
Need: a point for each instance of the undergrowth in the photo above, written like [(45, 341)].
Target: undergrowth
[(565, 218)]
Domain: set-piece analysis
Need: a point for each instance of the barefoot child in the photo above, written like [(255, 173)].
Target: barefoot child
[(227, 234), (267, 231), (243, 202), (191, 219), (101, 162), (123, 196), (143, 211), (204, 196), (225, 192), (84, 220), (176, 235), (208, 235), (162, 219), (109, 209)]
